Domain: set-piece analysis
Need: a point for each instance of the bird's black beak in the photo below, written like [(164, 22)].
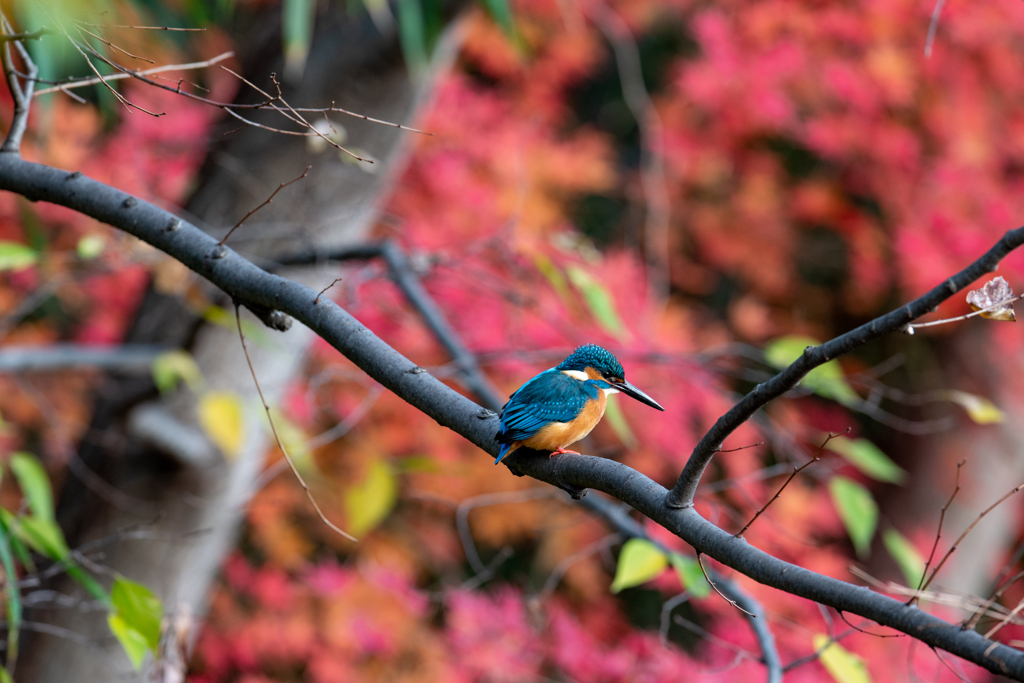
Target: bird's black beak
[(630, 390)]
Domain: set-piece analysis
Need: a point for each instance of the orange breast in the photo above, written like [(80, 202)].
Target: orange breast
[(560, 434)]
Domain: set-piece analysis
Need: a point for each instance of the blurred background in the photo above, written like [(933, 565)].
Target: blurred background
[(702, 188)]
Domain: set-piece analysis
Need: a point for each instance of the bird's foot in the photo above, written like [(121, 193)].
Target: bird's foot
[(562, 451)]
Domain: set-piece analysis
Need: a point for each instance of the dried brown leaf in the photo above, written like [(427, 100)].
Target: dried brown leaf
[(995, 298)]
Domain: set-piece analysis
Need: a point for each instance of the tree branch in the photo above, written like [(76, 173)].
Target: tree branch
[(22, 94), (682, 494), (134, 357), (402, 274), (248, 283)]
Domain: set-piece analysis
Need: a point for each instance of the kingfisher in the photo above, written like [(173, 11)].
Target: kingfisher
[(560, 406)]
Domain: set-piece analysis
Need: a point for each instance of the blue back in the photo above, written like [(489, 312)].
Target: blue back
[(551, 396)]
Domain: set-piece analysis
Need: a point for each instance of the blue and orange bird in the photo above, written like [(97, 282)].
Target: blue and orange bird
[(560, 406)]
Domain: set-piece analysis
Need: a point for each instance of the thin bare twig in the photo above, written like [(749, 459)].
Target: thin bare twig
[(125, 102), (273, 428), (868, 633), (109, 44), (956, 673), (336, 281), (1006, 620), (796, 471), (22, 95), (269, 200), (346, 112), (34, 35), (967, 603), (142, 28), (996, 595), (733, 450), (65, 87), (728, 600), (295, 117), (968, 530), (336, 432), (938, 533)]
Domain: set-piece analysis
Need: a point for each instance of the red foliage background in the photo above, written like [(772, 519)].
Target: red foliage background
[(820, 169)]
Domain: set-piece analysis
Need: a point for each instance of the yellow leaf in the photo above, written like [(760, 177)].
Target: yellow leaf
[(220, 415), (841, 664), (370, 501), (981, 410), (639, 562)]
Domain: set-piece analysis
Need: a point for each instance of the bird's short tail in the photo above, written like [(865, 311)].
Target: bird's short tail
[(506, 448)]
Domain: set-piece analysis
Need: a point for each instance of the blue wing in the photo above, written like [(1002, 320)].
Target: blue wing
[(551, 396)]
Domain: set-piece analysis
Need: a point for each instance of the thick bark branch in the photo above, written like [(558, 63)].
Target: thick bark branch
[(247, 283), (682, 493)]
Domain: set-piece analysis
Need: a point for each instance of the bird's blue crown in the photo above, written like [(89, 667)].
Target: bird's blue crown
[(592, 355)]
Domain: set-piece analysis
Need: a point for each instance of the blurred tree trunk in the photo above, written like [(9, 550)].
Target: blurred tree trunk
[(149, 448)]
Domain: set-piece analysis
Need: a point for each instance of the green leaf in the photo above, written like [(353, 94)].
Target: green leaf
[(4, 676), (91, 586), (826, 380), (43, 536), (298, 17), (841, 664), (639, 562), (34, 483), (133, 642), (370, 501), (599, 301), (13, 597), (139, 608), (15, 256), (867, 458), (690, 575), (412, 32), (617, 420), (171, 367), (857, 509), (10, 525), (979, 409), (903, 551), (502, 15)]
